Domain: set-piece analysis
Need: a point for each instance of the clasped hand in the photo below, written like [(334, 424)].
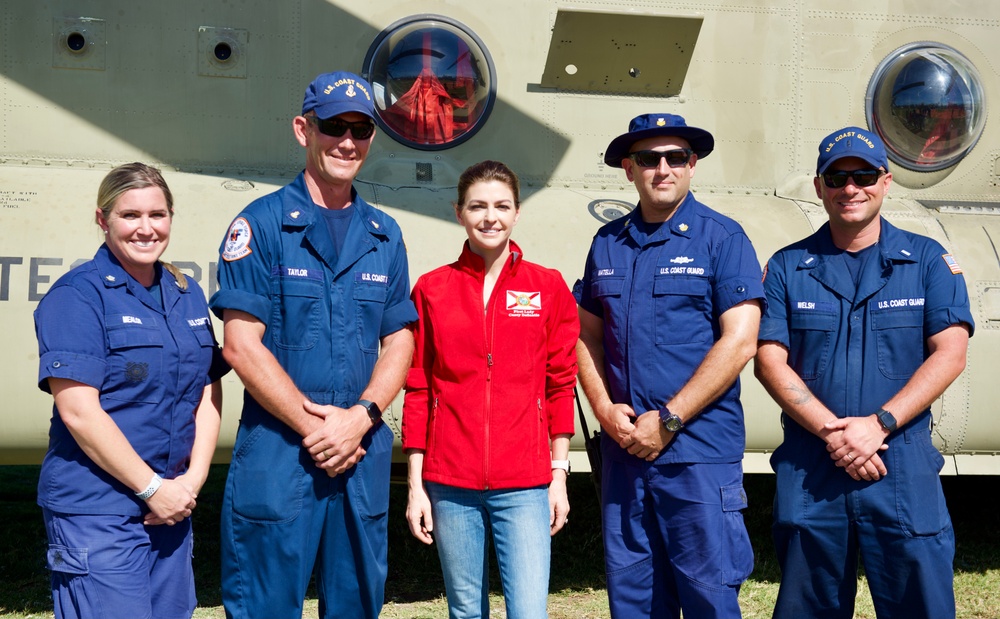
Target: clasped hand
[(336, 444), (172, 502), (854, 444), (642, 436)]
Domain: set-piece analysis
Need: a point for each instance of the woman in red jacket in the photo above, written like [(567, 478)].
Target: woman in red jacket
[(488, 412)]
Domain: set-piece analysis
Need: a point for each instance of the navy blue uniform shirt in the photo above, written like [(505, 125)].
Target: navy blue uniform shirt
[(150, 362), (660, 297), (856, 346)]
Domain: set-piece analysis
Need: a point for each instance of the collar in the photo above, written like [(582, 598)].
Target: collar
[(893, 246), (473, 263), (110, 271), (682, 223), (114, 275), (299, 210)]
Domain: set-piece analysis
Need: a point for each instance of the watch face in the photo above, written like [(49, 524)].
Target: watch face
[(673, 423), (887, 420)]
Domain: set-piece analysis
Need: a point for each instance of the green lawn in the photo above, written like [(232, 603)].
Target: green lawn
[(415, 589)]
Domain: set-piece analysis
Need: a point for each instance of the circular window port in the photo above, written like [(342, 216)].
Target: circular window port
[(434, 82), (926, 100)]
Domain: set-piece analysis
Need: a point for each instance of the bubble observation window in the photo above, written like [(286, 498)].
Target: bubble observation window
[(433, 80), (926, 100)]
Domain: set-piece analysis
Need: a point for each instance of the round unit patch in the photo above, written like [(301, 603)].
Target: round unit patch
[(237, 240)]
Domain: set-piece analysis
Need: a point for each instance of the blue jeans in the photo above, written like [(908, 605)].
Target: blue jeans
[(519, 522)]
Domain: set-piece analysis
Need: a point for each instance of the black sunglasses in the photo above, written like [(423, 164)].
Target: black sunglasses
[(862, 178), (677, 158), (336, 127)]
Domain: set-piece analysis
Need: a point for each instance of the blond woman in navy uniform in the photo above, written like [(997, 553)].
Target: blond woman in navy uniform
[(126, 349)]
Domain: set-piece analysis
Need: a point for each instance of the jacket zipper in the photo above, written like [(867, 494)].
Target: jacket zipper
[(490, 319)]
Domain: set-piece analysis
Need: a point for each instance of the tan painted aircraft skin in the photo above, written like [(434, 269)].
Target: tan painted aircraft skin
[(206, 89)]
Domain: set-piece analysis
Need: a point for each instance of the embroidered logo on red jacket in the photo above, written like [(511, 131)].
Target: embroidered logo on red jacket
[(524, 303)]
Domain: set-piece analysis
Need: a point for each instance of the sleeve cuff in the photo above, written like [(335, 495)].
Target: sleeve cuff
[(398, 317), (941, 319), (740, 289), (561, 419), (253, 304), (72, 366)]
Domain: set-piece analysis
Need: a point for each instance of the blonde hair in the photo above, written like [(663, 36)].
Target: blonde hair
[(130, 176), (127, 177)]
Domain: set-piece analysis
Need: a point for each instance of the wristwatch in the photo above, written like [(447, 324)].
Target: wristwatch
[(670, 421), (886, 419), (374, 412), (561, 464), (154, 485)]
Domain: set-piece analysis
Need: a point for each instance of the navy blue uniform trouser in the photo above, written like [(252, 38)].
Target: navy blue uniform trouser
[(674, 538), (282, 517), (106, 566), (899, 525)]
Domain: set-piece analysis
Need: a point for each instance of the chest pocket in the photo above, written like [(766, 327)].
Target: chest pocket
[(135, 361), (370, 301), (296, 304), (201, 360), (899, 337), (608, 292), (811, 338), (682, 307)]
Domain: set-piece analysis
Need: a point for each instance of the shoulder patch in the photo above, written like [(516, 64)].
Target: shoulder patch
[(952, 263), (237, 240)]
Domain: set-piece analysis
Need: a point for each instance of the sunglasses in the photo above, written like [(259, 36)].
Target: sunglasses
[(336, 127), (677, 158), (862, 178)]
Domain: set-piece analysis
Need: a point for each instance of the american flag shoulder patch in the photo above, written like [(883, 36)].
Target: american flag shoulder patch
[(952, 263)]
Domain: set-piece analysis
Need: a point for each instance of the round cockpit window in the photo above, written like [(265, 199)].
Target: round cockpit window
[(433, 80), (926, 100)]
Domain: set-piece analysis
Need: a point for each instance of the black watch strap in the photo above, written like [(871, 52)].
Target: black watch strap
[(887, 420), (374, 412)]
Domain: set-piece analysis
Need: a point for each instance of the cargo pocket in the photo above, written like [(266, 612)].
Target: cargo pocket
[(65, 560), (740, 564), (265, 475), (920, 502), (369, 479)]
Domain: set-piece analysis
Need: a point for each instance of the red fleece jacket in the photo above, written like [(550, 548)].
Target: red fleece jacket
[(489, 387)]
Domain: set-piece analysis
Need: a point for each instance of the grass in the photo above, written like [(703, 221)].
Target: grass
[(415, 588)]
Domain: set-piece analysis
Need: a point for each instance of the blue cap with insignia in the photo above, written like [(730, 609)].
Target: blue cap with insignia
[(332, 94), (851, 142)]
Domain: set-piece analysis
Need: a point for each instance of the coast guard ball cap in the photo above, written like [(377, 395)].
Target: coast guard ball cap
[(332, 94), (654, 125), (851, 142)]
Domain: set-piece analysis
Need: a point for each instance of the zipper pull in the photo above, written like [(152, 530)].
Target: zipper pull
[(489, 359)]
